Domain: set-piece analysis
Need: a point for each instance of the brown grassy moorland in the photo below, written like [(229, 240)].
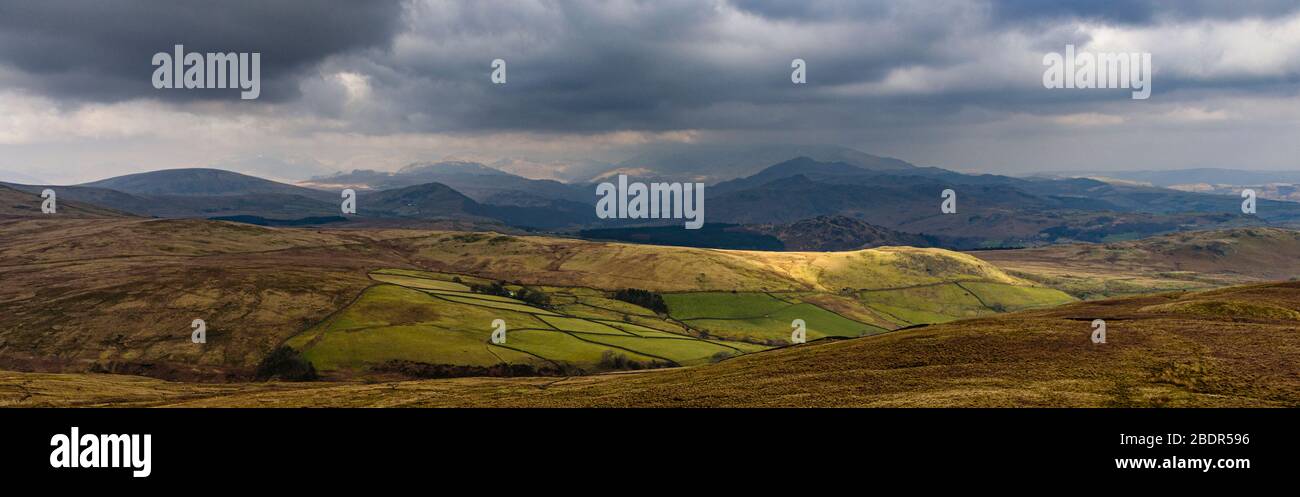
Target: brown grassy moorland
[(1230, 347)]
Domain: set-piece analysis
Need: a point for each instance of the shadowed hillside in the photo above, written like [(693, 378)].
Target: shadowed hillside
[(203, 182), (18, 203), (120, 295)]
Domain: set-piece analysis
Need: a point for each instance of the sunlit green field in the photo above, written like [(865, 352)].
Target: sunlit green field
[(760, 317), (940, 303), (429, 318)]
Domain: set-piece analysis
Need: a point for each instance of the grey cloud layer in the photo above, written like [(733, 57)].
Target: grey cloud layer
[(1139, 11), (101, 51), (901, 73), (643, 66), (594, 66)]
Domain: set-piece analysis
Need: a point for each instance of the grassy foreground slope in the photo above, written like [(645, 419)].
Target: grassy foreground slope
[(1238, 346)]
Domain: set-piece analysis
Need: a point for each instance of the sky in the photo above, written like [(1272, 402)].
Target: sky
[(382, 84)]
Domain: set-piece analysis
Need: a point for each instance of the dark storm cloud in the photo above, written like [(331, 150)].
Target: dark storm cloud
[(101, 51), (1140, 11), (576, 66), (376, 84), (1016, 11), (783, 9), (597, 66)]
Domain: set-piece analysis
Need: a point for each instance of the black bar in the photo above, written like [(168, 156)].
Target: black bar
[(238, 446)]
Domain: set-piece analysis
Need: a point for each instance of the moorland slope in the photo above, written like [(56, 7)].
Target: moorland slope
[(120, 295), (1189, 260), (1237, 346)]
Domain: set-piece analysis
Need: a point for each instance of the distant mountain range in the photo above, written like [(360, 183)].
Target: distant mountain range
[(856, 200), (1212, 176), (477, 181), (214, 193), (1272, 191), (1274, 185), (199, 193), (991, 210), (717, 163)]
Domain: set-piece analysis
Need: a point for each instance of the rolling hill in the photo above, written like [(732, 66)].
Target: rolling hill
[(1213, 176), (119, 295), (439, 201), (711, 235), (427, 200), (430, 324), (717, 163), (203, 182), (218, 194), (570, 262), (1188, 349), (19, 203), (101, 197), (1234, 347), (1192, 260), (901, 325), (837, 233), (199, 193)]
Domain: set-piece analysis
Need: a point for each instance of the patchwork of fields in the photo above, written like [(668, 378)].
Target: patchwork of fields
[(418, 319), (436, 319)]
